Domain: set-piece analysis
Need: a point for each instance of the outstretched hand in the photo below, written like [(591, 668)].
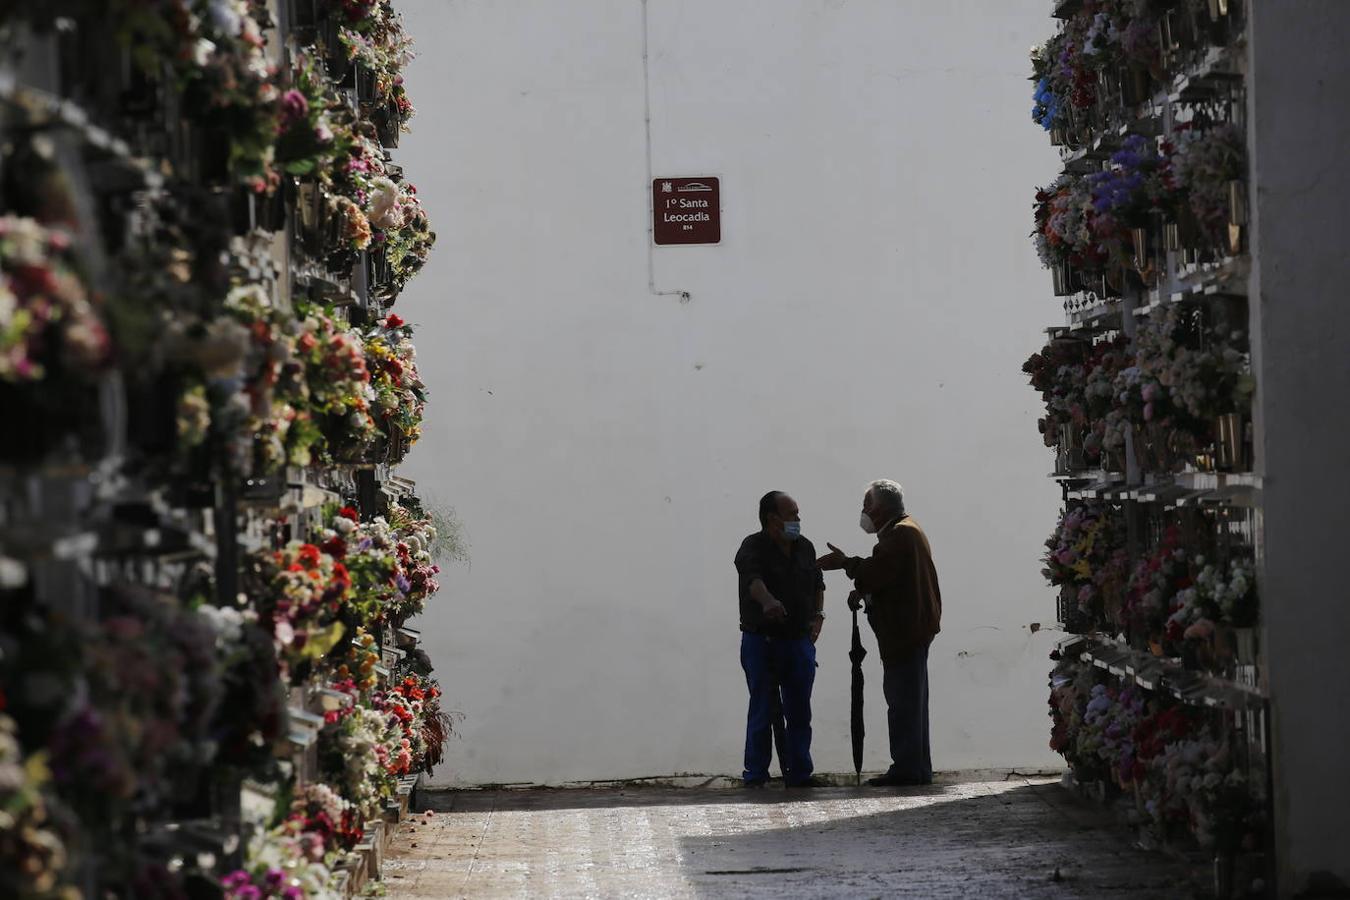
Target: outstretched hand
[(835, 559)]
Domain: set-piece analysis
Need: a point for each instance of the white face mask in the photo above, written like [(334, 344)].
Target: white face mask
[(865, 523), (792, 530)]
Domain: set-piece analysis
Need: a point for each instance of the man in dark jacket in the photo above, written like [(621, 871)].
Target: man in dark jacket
[(782, 598), (899, 584)]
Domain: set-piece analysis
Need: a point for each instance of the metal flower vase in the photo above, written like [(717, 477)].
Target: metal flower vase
[(1062, 274), (1229, 443), (311, 207), (1139, 237), (1071, 446), (1237, 215)]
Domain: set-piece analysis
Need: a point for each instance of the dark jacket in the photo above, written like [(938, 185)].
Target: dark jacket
[(905, 607), (793, 578)]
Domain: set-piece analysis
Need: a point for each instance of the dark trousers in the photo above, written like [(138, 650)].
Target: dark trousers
[(905, 683), (780, 674)]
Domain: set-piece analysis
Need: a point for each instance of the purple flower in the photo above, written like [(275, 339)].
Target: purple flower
[(274, 878), (236, 879), (293, 893), (402, 583)]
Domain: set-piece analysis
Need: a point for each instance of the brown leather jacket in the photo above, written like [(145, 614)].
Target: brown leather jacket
[(906, 606)]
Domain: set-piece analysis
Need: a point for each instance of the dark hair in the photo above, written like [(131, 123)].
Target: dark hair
[(768, 505)]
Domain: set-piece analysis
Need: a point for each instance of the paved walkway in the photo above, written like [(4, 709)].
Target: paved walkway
[(1016, 838)]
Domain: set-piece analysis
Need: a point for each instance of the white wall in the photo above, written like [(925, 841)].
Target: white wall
[(865, 316)]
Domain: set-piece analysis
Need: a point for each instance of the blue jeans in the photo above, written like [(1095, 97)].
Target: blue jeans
[(905, 684), (782, 670)]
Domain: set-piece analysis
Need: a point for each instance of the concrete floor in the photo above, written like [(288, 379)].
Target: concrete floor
[(1023, 837)]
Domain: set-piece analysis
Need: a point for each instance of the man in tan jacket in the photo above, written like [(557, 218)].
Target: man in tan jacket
[(899, 584)]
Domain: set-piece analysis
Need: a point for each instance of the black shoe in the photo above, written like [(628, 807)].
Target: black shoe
[(812, 782), (751, 785), (897, 781)]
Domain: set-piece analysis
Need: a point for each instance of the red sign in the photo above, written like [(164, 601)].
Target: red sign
[(686, 211)]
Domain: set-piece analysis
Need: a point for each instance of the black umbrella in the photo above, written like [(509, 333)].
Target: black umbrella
[(855, 654)]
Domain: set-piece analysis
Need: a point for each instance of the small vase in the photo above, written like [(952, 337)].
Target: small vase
[(1229, 430), (1139, 236), (1062, 275), (1237, 202), (1171, 236), (1244, 646)]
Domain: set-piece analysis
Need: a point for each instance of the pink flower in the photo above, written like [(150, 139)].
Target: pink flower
[(294, 106)]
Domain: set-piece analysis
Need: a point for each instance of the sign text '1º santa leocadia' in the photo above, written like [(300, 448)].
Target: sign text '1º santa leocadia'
[(686, 211)]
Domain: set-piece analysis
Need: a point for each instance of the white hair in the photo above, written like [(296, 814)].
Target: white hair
[(889, 495)]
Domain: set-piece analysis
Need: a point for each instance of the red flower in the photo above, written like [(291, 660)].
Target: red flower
[(348, 512), (393, 321), (310, 555), (335, 547)]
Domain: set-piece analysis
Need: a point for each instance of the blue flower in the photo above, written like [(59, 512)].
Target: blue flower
[(1045, 110)]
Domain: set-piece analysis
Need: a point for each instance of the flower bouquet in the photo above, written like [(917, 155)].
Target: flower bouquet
[(312, 129), (373, 37), (319, 810), (299, 593), (1152, 590), (1108, 54), (416, 537), (53, 344), (370, 553), (379, 212), (33, 845), (217, 50), (1086, 559), (274, 406), (1184, 378), (285, 863), (337, 387), (1222, 595), (400, 395), (433, 725), (1075, 380), (1210, 166), (354, 755)]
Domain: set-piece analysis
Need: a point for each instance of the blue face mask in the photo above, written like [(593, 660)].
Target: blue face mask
[(792, 530)]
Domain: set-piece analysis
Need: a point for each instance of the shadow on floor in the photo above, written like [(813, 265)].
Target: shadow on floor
[(638, 796), (1036, 840)]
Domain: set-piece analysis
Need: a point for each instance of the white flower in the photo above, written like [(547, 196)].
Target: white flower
[(225, 18), (202, 51), (344, 525), (386, 210), (13, 573), (226, 622), (246, 297)]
